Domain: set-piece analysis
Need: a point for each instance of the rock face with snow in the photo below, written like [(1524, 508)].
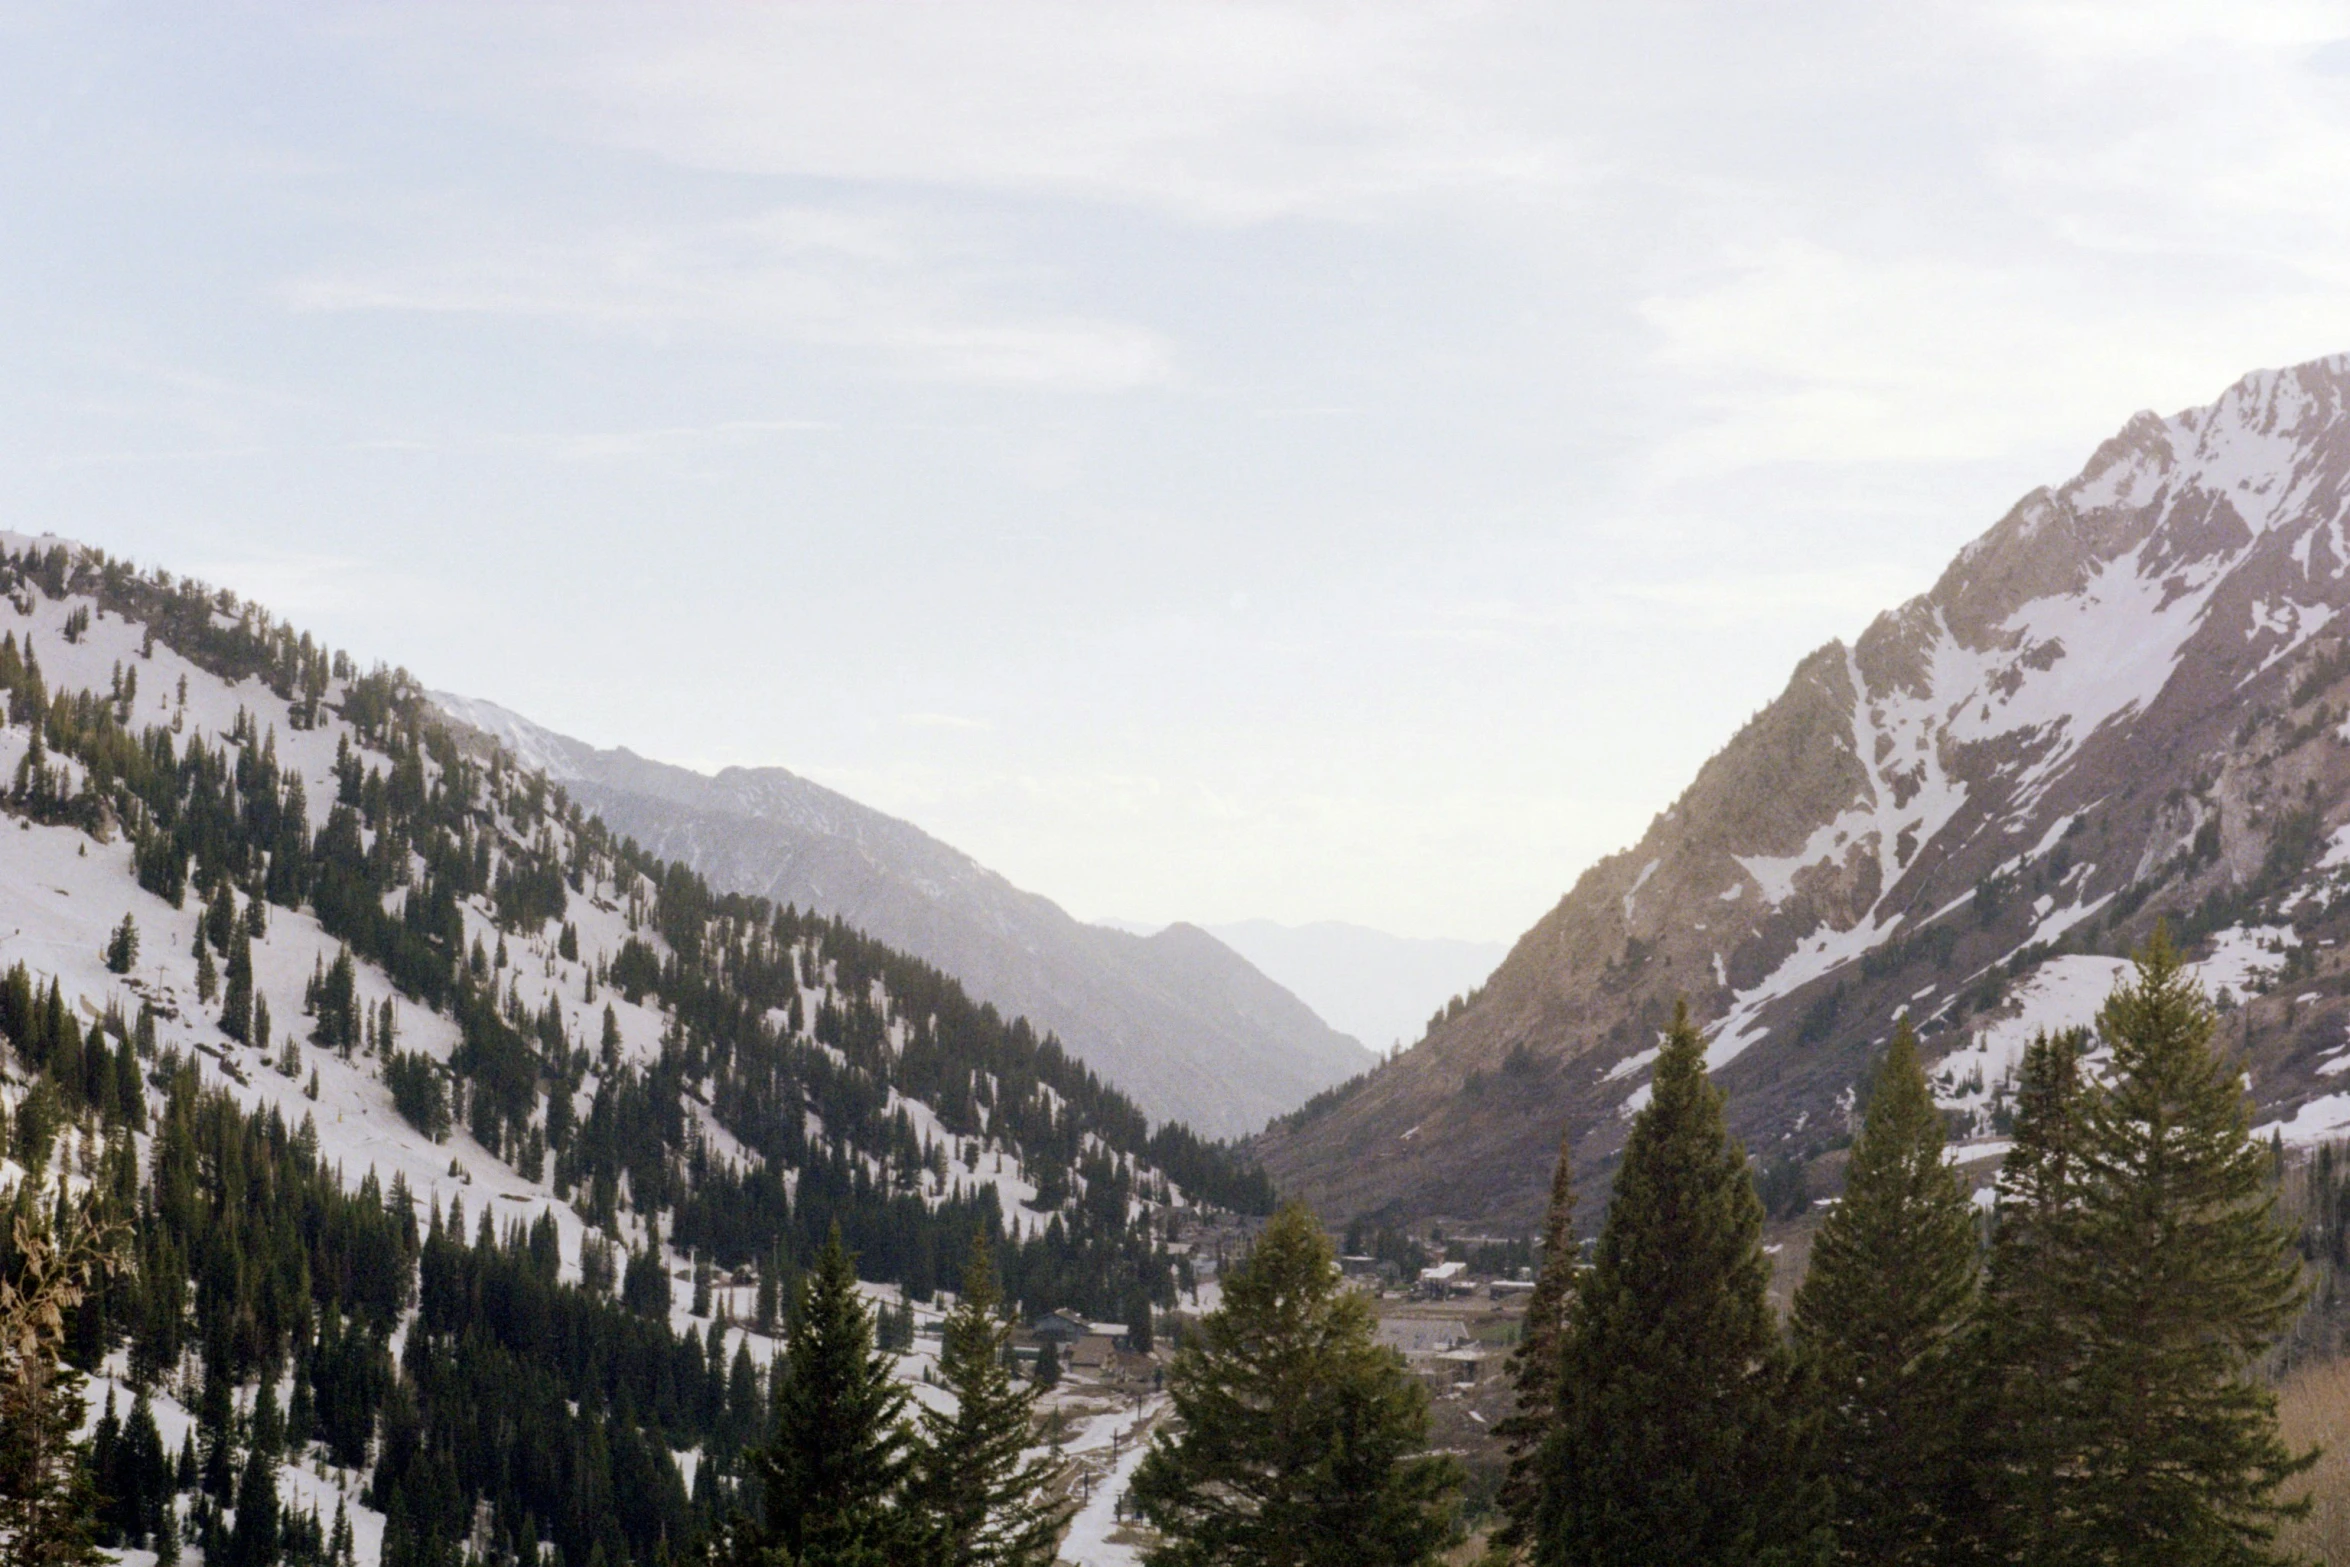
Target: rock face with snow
[(2125, 701), (1178, 1019)]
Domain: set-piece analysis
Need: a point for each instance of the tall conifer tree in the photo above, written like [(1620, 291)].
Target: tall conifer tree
[(1298, 1437), (2027, 1344), (979, 1504), (2193, 1280), (1534, 1364), (1877, 1324), (254, 1540), (236, 1000), (833, 1472), (1674, 1443)]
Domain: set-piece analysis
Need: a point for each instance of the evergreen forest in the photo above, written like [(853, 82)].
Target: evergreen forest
[(505, 1401)]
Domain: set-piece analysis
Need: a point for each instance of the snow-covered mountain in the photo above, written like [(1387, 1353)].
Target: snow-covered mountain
[(382, 954), (1177, 1019), (2125, 701)]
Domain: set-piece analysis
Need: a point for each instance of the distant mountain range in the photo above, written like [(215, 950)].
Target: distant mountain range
[(1178, 1020), (2128, 701), (1380, 988)]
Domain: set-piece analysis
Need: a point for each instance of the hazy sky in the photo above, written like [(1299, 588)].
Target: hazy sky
[(1208, 461)]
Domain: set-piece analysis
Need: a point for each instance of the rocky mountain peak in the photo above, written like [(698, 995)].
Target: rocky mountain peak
[(2009, 770)]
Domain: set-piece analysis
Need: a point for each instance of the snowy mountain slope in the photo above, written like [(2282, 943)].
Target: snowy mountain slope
[(1185, 1025), (562, 963), (2122, 702), (62, 893)]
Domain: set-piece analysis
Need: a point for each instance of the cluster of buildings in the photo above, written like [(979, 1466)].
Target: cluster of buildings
[(1452, 1325), (1447, 1350), (1438, 1281), (1103, 1351)]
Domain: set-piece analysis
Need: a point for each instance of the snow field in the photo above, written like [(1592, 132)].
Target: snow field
[(64, 894)]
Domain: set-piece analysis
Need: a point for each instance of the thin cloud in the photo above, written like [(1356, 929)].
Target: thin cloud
[(820, 278), (1229, 114)]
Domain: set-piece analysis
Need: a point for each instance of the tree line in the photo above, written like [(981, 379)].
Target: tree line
[(2072, 1378), (2084, 1388)]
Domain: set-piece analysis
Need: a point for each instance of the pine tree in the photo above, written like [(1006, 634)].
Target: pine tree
[(139, 1485), (207, 977), (1534, 1364), (106, 1470), (122, 948), (979, 1504), (301, 1411), (236, 1001), (220, 917), (832, 1474), (266, 1425), (1673, 1441), (253, 1542), (215, 1417), (1877, 1324), (38, 1116), (644, 1288), (764, 1303), (2028, 1341), (1298, 1437), (1141, 1335), (2193, 1281)]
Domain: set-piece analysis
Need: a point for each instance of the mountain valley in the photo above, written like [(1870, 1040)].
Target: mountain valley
[(497, 1030)]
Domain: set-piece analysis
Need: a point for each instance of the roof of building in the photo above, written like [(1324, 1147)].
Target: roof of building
[(1419, 1335)]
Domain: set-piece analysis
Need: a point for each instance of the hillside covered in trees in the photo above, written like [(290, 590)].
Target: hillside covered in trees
[(464, 1154)]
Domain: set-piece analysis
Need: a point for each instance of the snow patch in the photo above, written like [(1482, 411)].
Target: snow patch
[(2316, 1121), (1631, 1064), (1822, 952), (1638, 882), (2244, 957)]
